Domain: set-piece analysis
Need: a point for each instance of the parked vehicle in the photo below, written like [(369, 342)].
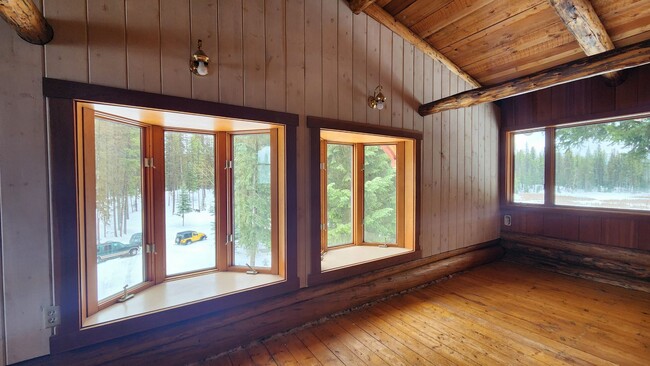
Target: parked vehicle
[(115, 249), (188, 237), (136, 239)]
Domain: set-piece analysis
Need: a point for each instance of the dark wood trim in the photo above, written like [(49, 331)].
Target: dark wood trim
[(618, 59), (55, 88), (549, 166), (210, 335), (581, 211), (349, 126), (61, 116)]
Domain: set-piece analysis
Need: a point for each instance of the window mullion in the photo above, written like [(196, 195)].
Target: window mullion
[(222, 200), (155, 201), (323, 195), (549, 167), (358, 195)]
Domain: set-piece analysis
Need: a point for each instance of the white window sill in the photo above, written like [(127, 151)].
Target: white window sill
[(353, 255), (182, 292)]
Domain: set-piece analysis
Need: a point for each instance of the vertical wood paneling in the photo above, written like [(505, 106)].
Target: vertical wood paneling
[(175, 48), (445, 155), (407, 94), (231, 63), (313, 59), (67, 53), (143, 45), (275, 55), (621, 232), (107, 43), (344, 50), (460, 200), (372, 66), (427, 219), (308, 57), (359, 49), (254, 54), (396, 82), (385, 72), (453, 167), (204, 27), (330, 58)]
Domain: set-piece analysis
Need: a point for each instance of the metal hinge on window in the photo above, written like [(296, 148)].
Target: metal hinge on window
[(148, 163), (150, 248), (322, 166), (322, 227), (228, 164), (230, 238)]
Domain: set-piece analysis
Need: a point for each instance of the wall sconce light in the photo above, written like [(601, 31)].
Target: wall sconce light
[(377, 100), (199, 62)]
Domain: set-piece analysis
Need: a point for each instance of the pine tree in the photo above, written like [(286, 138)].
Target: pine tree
[(184, 204)]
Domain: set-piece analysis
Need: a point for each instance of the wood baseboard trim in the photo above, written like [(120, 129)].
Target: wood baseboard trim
[(628, 268), (195, 340)]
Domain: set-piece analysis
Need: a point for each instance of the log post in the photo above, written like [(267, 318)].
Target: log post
[(357, 6), (618, 59), (27, 20)]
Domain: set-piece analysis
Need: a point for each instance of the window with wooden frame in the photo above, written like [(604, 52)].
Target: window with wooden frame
[(595, 165), (367, 184), (163, 202)]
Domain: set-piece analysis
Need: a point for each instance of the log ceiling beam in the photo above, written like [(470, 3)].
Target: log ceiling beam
[(27, 20), (618, 59), (583, 22), (357, 6), (383, 17)]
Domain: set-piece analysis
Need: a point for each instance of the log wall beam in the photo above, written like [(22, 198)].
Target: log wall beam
[(618, 59), (383, 17), (27, 20), (583, 22)]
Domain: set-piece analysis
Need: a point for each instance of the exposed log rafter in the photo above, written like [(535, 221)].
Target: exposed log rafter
[(618, 59), (357, 6), (27, 20), (583, 22), (383, 17)]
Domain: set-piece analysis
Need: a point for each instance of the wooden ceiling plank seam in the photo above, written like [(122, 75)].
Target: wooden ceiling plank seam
[(481, 20), (584, 23), (446, 15), (535, 18), (618, 59), (418, 10), (395, 6), (383, 17)]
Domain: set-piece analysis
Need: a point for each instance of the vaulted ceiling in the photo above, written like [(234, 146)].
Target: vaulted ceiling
[(498, 40)]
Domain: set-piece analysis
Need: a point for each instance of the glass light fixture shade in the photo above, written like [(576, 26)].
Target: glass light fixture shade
[(377, 100), (199, 62)]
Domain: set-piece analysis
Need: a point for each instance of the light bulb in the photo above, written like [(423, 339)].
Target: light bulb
[(202, 68), (380, 105)]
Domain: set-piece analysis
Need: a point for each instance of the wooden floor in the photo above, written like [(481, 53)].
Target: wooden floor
[(502, 313)]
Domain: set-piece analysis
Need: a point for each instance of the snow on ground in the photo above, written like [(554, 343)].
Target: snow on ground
[(113, 274), (619, 200)]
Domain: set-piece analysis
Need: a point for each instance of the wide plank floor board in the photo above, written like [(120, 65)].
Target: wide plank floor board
[(501, 313)]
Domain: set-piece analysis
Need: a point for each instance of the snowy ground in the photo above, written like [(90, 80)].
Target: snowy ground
[(619, 200), (113, 274)]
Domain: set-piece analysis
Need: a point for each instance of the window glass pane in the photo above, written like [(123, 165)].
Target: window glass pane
[(529, 167), (380, 194), (189, 208), (252, 199), (118, 184), (339, 194), (604, 165)]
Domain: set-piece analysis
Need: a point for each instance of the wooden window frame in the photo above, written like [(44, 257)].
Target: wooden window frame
[(315, 125), (549, 171), (62, 98), (358, 194)]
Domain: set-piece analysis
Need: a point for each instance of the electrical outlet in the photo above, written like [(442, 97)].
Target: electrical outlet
[(51, 316), (507, 220)]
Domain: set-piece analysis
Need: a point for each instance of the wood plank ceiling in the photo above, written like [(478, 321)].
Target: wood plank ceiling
[(499, 40)]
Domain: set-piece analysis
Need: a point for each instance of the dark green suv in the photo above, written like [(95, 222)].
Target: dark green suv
[(115, 249)]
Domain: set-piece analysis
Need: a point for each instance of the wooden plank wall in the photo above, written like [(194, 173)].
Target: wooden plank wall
[(584, 100), (310, 57)]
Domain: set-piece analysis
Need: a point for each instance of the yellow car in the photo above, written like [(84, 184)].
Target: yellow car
[(188, 237)]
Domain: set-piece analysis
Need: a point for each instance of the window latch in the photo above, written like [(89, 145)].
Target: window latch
[(150, 248), (322, 166), (230, 238), (228, 164), (148, 163)]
